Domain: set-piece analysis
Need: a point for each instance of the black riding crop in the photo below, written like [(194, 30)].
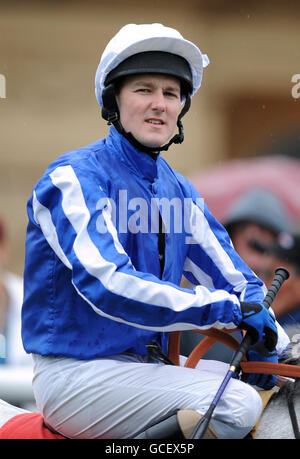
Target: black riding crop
[(281, 274)]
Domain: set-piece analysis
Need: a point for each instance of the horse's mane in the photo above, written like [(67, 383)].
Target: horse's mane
[(290, 388)]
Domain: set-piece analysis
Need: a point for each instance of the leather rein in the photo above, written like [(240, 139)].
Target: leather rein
[(214, 335)]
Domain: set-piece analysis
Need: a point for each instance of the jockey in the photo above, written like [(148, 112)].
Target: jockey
[(112, 229)]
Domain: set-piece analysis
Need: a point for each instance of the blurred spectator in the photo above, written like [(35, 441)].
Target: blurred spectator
[(11, 297), (257, 215), (285, 251)]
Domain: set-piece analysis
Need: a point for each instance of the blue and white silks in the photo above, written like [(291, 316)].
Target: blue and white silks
[(93, 285)]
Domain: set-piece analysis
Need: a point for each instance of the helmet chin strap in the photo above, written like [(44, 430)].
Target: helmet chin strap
[(111, 114)]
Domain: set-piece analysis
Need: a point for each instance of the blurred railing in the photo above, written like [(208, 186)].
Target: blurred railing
[(16, 385)]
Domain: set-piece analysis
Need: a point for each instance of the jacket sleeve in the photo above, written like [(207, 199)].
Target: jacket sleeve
[(212, 261), (65, 207)]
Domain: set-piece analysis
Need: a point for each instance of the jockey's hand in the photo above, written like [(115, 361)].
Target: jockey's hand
[(260, 324), (264, 381)]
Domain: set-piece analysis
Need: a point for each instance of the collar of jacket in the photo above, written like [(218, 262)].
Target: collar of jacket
[(141, 163)]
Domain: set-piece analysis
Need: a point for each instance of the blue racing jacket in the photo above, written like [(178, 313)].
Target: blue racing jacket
[(92, 282)]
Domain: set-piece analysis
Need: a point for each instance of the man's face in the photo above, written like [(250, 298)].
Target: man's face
[(149, 106), (241, 240)]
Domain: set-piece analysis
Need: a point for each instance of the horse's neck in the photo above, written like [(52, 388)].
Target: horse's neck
[(275, 422)]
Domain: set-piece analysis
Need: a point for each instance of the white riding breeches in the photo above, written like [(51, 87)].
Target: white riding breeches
[(119, 396)]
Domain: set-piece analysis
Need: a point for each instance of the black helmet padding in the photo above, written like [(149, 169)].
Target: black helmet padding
[(154, 62)]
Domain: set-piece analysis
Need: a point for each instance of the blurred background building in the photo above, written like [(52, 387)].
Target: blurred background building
[(49, 52)]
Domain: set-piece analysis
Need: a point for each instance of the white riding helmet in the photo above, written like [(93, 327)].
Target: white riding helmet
[(148, 48), (138, 38)]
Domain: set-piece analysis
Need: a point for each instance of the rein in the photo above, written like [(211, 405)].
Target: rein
[(212, 336), (293, 415)]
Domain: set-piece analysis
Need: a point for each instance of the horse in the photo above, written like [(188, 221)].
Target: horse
[(280, 418)]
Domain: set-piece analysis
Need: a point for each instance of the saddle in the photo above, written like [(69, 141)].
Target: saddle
[(31, 425), (28, 426)]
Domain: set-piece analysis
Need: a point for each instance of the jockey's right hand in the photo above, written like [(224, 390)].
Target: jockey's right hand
[(260, 324), (264, 381)]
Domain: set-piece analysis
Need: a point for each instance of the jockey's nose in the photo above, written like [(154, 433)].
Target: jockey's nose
[(158, 101)]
